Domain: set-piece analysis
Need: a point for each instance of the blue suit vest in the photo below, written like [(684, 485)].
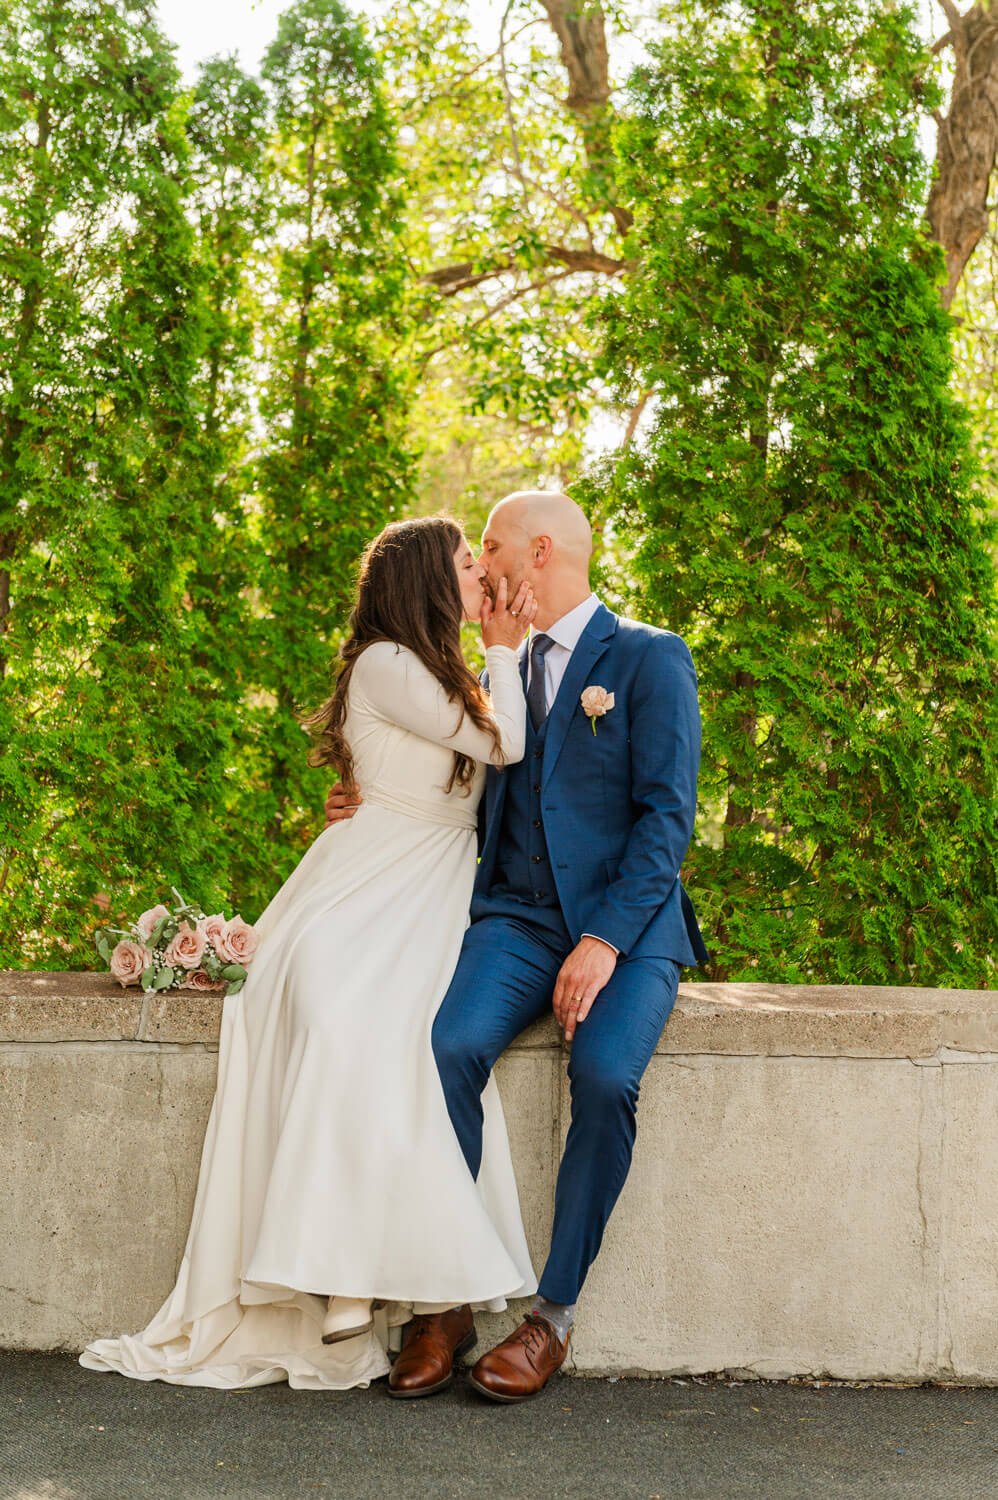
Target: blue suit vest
[(524, 867)]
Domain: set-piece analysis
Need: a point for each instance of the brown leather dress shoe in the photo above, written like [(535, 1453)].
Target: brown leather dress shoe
[(522, 1364), (430, 1345)]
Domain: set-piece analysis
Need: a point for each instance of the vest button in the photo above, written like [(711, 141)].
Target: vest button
[(536, 823), (538, 751), (535, 859), (539, 895), (536, 788)]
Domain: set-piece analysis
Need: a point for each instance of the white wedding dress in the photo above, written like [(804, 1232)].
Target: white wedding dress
[(330, 1165)]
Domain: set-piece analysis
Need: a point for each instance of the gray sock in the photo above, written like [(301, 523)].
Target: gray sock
[(560, 1316)]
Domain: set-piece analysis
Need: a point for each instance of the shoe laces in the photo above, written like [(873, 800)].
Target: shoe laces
[(534, 1333)]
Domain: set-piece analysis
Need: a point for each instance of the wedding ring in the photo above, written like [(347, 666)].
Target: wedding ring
[(514, 613)]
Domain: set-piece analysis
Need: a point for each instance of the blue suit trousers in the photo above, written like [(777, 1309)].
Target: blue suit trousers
[(504, 981)]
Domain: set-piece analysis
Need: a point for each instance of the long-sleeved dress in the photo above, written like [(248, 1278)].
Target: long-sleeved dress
[(330, 1165)]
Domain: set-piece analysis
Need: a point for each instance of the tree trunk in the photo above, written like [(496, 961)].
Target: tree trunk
[(580, 28), (4, 612), (957, 210)]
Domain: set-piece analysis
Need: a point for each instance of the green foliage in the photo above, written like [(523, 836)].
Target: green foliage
[(109, 739), (199, 426), (232, 317), (975, 360), (804, 499), (498, 187), (334, 465)]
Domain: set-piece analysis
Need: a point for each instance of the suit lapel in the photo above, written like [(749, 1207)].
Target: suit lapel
[(593, 642)]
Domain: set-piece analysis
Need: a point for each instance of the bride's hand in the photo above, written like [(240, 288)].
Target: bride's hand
[(505, 624)]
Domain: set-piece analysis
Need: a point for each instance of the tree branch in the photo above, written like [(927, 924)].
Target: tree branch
[(457, 278), (507, 94), (637, 411), (589, 260), (952, 13), (453, 279), (562, 203), (496, 307)]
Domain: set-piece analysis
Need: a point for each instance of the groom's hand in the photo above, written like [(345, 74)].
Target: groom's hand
[(339, 805), (581, 977)]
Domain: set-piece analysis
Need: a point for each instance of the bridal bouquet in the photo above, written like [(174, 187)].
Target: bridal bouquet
[(179, 949)]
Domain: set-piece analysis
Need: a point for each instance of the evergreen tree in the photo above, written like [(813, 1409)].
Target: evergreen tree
[(109, 753), (228, 127), (805, 497), (334, 466)]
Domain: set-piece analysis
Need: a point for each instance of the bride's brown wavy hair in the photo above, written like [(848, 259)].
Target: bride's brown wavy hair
[(407, 592)]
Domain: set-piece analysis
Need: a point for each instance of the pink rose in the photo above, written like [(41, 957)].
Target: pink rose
[(186, 949), (128, 961), (214, 927), (199, 980), (238, 942), (149, 918), (596, 701)]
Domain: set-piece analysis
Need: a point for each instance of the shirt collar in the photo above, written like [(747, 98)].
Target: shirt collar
[(566, 631)]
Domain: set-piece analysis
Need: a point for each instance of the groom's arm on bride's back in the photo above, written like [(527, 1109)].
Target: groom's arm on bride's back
[(665, 760), (340, 804)]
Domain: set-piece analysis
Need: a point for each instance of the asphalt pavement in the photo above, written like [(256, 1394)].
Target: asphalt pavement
[(68, 1434)]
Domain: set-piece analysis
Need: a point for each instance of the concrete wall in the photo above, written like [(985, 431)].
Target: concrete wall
[(813, 1190)]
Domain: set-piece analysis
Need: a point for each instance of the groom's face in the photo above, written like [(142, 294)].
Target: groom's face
[(505, 552)]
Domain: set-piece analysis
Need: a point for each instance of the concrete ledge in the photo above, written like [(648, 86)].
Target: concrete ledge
[(812, 1192), (766, 1020)]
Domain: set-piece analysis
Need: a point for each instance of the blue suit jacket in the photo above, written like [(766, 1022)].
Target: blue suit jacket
[(618, 806)]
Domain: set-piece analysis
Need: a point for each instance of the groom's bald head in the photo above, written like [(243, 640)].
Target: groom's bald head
[(544, 537), (548, 513)]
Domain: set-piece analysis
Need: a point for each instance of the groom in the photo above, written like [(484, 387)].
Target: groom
[(577, 907)]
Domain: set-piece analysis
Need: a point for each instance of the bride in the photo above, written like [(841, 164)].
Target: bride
[(332, 1186)]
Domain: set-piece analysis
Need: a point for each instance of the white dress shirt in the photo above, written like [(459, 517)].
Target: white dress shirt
[(565, 634)]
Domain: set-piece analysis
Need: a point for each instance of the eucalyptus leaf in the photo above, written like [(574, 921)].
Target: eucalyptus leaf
[(162, 931)]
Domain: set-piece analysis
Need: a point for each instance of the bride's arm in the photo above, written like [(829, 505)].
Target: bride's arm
[(397, 686), (509, 705)]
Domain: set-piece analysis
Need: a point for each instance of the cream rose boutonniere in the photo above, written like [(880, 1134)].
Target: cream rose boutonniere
[(596, 702)]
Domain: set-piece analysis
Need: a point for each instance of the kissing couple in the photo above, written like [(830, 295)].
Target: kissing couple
[(356, 1173)]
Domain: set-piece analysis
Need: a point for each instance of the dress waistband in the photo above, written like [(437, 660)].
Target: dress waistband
[(448, 814)]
